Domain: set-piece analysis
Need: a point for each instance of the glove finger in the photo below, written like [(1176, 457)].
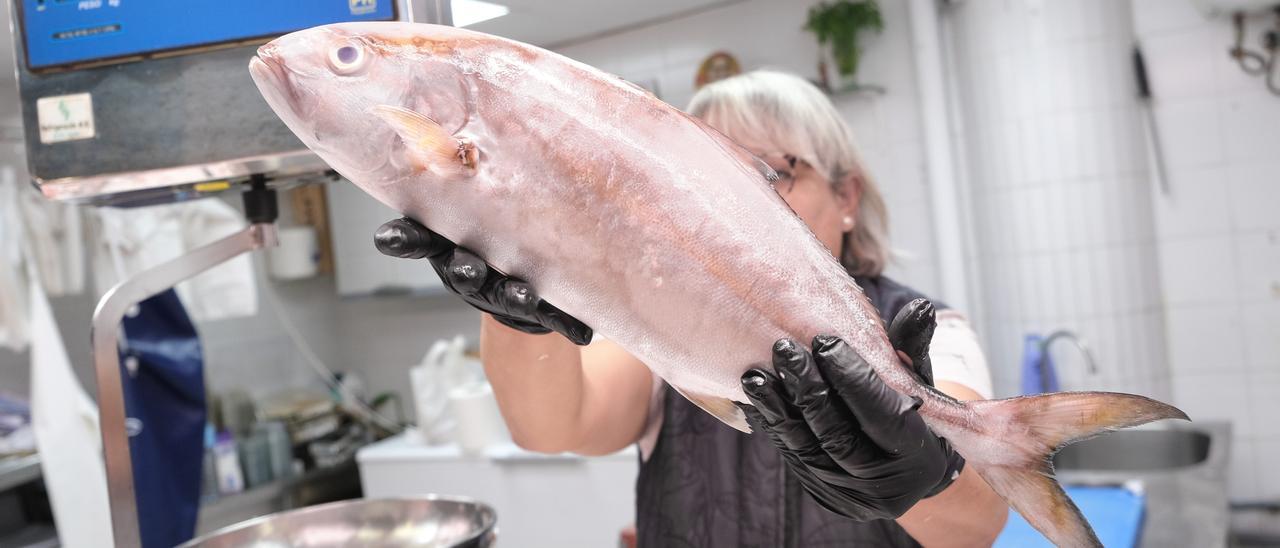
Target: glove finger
[(406, 239), (577, 332), (516, 298), (785, 420), (911, 332), (885, 415), (831, 422), (759, 423), (465, 274), (817, 482)]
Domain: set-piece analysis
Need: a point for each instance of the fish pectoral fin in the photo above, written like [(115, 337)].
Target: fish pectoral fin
[(429, 144), (720, 408)]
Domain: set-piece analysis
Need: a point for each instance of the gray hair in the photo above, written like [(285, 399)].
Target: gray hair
[(767, 110)]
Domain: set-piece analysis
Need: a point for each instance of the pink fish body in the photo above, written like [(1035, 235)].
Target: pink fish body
[(626, 213)]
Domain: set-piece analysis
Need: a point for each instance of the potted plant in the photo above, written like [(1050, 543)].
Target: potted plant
[(837, 25)]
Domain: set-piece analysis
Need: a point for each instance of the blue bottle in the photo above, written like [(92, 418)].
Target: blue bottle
[(1038, 374)]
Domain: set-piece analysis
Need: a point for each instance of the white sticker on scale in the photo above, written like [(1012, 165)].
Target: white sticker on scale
[(65, 118)]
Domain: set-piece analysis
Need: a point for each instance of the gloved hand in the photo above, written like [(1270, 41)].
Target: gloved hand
[(511, 301), (857, 446)]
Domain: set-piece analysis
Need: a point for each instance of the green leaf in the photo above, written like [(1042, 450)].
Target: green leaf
[(838, 25)]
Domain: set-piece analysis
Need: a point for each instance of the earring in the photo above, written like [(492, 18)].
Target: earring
[(848, 222)]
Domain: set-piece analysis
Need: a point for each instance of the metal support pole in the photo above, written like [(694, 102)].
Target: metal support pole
[(439, 12), (106, 361)]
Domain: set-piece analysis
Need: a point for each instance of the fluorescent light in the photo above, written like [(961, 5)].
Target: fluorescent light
[(470, 12)]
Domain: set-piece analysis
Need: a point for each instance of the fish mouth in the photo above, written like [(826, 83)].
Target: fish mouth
[(275, 83)]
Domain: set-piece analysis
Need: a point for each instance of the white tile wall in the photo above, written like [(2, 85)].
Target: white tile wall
[(1190, 131), (1250, 126), (1205, 339), (1198, 270), (1254, 196), (1064, 225), (1156, 17), (1267, 482), (1261, 334), (1198, 204), (1242, 472), (1219, 246), (1217, 396), (1258, 264), (1264, 404)]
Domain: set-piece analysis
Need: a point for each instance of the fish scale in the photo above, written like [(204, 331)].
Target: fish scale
[(641, 221)]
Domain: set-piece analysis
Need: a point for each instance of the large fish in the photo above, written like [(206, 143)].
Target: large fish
[(641, 221)]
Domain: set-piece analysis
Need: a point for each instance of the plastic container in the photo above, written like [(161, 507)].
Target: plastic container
[(255, 460), (227, 465), (280, 447)]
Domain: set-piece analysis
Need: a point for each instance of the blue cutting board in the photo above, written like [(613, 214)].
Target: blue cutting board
[(1114, 512)]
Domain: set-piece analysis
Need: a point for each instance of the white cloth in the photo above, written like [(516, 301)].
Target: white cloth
[(136, 239), (55, 240), (14, 314), (954, 352), (67, 436), (44, 232), (957, 355)]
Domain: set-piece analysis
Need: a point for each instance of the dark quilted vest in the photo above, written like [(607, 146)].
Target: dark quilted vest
[(708, 485)]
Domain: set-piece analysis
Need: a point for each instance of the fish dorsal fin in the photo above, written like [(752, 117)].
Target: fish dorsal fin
[(720, 408), (430, 146)]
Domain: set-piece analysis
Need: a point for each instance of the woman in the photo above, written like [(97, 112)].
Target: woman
[(702, 483)]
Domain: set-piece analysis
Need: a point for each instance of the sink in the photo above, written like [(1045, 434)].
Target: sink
[(1180, 467), (1136, 450)]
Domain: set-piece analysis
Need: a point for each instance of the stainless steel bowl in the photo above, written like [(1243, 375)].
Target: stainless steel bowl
[(428, 521)]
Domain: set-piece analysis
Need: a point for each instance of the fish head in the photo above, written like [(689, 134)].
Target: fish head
[(326, 83)]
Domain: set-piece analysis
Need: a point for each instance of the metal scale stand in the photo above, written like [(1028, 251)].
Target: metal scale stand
[(261, 210)]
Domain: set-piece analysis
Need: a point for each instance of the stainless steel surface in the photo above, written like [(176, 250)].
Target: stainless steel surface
[(429, 521), (106, 359), (142, 186), (1136, 450), (1181, 467), (1071, 337)]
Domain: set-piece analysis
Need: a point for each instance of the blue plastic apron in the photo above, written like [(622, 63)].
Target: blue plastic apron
[(165, 404)]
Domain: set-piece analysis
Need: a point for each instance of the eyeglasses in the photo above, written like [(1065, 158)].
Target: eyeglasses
[(786, 180)]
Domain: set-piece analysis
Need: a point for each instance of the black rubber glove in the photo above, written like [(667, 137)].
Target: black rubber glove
[(511, 301), (857, 446)]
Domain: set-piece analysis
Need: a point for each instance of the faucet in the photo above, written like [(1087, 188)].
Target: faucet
[(1044, 355)]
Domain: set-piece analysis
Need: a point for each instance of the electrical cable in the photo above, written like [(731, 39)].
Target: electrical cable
[(354, 404)]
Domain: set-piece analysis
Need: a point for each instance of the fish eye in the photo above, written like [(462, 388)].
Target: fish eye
[(347, 58)]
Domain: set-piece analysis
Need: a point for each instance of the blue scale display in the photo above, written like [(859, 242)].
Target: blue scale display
[(69, 32)]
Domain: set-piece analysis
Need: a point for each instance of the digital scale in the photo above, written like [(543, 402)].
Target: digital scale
[(128, 102)]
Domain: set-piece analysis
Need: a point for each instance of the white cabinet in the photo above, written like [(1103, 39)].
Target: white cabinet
[(555, 501), (359, 268)]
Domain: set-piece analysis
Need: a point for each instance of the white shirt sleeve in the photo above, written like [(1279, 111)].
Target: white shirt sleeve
[(957, 356)]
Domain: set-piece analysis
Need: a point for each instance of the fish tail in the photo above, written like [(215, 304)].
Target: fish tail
[(1042, 425)]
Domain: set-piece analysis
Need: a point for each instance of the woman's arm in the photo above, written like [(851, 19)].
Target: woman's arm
[(555, 396), (967, 513)]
